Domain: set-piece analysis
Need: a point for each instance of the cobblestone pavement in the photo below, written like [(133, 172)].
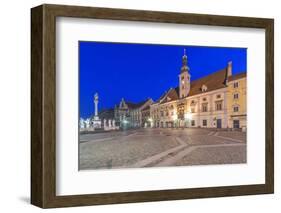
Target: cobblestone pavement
[(161, 147)]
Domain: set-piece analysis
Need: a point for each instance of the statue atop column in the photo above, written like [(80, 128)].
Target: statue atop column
[(96, 120)]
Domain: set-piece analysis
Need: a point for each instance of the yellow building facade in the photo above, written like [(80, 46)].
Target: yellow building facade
[(237, 101), (217, 100)]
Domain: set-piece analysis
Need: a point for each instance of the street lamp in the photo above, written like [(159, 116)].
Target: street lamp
[(150, 120)]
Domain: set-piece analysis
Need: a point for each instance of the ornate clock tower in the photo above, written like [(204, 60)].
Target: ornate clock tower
[(184, 78)]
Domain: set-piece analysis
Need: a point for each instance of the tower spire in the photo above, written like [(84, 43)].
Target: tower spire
[(184, 62), (184, 77)]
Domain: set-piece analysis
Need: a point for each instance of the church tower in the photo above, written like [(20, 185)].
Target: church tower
[(184, 78)]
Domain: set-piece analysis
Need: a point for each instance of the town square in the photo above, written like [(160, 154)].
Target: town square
[(200, 121), (161, 147)]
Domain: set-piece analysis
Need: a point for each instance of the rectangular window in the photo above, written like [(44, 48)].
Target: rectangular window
[(235, 85), (192, 110), (192, 122), (236, 109), (204, 107), (204, 123), (219, 105), (162, 113), (236, 96)]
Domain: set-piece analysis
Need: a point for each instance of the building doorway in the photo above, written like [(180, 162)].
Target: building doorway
[(218, 123), (236, 124)]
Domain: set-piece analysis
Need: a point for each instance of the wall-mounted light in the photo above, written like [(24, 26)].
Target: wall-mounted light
[(188, 116)]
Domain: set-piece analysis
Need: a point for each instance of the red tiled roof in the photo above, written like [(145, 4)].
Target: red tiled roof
[(213, 81), (237, 76), (171, 95)]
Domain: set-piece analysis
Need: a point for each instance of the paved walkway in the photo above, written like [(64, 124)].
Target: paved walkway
[(161, 147)]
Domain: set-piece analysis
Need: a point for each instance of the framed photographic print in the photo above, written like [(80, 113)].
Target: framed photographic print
[(136, 106)]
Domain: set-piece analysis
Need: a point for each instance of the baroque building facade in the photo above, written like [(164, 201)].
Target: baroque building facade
[(129, 115), (217, 100)]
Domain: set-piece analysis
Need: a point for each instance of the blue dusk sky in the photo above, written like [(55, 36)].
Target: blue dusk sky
[(138, 71)]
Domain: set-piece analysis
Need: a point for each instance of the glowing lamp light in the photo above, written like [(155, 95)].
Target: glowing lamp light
[(175, 117), (188, 116)]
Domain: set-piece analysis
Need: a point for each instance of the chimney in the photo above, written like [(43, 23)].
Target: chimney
[(229, 69)]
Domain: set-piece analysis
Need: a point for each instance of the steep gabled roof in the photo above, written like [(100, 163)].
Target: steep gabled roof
[(132, 105), (213, 81), (171, 95), (146, 108)]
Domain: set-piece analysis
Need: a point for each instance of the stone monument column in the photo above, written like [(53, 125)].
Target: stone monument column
[(96, 101), (96, 120)]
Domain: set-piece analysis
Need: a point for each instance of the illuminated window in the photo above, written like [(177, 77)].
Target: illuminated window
[(204, 107), (219, 105)]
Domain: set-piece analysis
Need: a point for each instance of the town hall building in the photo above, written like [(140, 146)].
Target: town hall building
[(217, 100)]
